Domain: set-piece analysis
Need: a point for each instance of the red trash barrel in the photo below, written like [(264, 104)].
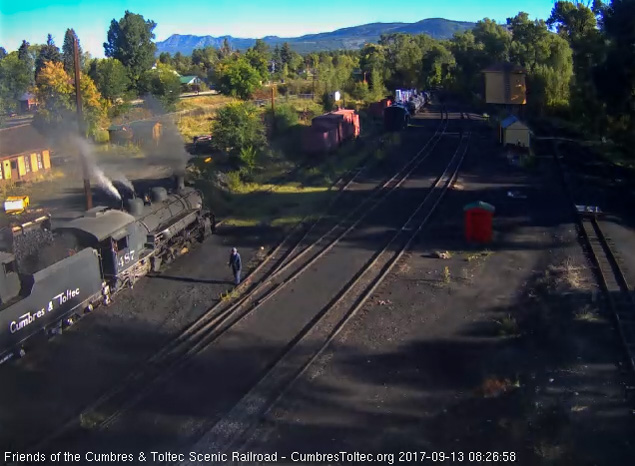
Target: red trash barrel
[(478, 222)]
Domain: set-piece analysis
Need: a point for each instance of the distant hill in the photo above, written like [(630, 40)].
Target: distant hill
[(348, 38)]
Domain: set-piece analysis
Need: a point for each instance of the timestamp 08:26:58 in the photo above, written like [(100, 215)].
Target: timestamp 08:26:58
[(458, 456)]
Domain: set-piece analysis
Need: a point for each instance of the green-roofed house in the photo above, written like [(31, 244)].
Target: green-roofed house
[(190, 83)]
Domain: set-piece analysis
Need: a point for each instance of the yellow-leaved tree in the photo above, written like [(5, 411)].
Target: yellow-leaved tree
[(55, 91)]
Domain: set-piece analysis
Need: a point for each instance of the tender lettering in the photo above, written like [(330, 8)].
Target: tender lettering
[(31, 316), (66, 295)]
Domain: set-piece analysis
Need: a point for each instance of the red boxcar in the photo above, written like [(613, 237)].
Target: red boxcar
[(351, 123), (330, 121), (319, 140), (330, 130), (376, 109)]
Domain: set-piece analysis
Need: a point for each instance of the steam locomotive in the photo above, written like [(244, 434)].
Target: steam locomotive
[(49, 278), (396, 117)]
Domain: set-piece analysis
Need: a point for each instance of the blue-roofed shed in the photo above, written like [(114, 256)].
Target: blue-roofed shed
[(514, 132)]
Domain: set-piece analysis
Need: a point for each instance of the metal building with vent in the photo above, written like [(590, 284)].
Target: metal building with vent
[(505, 84)]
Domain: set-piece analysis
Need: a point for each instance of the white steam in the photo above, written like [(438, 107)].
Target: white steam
[(120, 177), (87, 154)]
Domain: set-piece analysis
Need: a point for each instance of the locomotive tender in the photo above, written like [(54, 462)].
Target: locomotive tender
[(90, 259)]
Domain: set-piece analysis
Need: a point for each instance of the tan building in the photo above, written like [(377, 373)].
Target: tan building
[(505, 84), (23, 152), (514, 132)]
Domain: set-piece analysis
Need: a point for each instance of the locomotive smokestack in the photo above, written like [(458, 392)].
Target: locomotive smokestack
[(179, 182)]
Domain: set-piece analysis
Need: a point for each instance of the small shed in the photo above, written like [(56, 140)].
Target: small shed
[(514, 132), (142, 132), (27, 102), (146, 131), (119, 134)]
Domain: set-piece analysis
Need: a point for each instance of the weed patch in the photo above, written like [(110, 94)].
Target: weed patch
[(508, 326), (478, 255), (565, 276), (493, 387)]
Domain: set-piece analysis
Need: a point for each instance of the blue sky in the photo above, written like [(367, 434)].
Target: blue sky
[(33, 19)]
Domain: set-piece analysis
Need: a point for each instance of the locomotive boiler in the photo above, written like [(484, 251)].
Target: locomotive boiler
[(50, 278)]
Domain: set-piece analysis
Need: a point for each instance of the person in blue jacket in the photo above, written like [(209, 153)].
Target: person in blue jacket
[(236, 265)]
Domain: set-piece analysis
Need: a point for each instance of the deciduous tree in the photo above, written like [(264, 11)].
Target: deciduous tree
[(130, 42), (162, 83), (237, 77), (111, 79), (55, 92), (15, 79)]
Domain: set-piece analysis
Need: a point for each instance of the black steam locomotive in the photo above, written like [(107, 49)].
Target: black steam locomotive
[(396, 117), (49, 278)]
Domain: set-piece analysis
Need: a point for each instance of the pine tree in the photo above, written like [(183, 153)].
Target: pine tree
[(23, 51), (68, 52), (49, 52), (226, 49)]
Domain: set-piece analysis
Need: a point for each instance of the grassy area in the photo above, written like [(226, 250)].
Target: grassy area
[(190, 126), (116, 152), (284, 203), (210, 102)]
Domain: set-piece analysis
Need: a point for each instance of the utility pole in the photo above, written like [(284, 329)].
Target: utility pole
[(80, 126), (314, 73), (273, 108)]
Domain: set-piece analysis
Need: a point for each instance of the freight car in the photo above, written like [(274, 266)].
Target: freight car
[(396, 117), (49, 278), (416, 103), (331, 130)]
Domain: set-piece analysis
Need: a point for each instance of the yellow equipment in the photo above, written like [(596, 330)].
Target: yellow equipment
[(14, 205)]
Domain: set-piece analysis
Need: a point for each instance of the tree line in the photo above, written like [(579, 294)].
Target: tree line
[(580, 64)]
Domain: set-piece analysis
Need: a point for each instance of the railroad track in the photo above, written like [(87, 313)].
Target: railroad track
[(288, 260), (608, 271), (233, 431)]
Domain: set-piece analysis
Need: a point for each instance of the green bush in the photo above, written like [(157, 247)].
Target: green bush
[(236, 127), (101, 136), (234, 181), (285, 118), (248, 159)]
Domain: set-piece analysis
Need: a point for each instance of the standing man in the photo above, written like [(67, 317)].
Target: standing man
[(236, 265)]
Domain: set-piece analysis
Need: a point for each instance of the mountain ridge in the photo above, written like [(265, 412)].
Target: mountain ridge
[(349, 38)]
